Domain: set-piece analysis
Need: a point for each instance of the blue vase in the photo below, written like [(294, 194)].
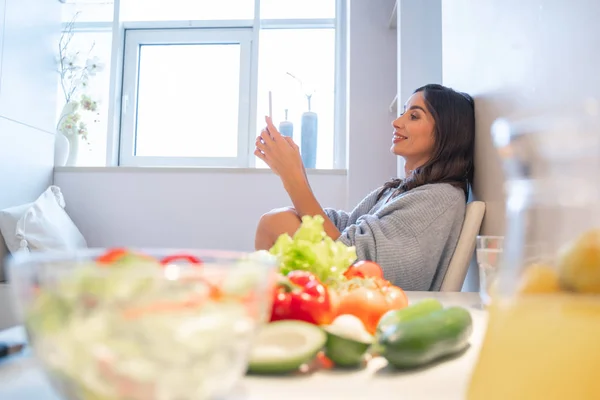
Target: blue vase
[(309, 139), (286, 128)]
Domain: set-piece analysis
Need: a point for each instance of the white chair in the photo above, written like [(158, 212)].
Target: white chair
[(463, 254)]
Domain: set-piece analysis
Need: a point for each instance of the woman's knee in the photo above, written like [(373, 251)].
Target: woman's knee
[(274, 223), (278, 218)]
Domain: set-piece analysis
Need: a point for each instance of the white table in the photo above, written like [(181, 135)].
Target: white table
[(22, 379)]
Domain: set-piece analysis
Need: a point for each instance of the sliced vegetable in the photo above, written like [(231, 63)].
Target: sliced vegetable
[(310, 249), (181, 257), (422, 340), (283, 346), (369, 299), (420, 309), (364, 269), (168, 306), (301, 296), (121, 256), (324, 361), (112, 256), (347, 341)]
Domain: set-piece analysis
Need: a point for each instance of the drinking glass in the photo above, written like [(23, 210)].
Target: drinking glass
[(489, 253)]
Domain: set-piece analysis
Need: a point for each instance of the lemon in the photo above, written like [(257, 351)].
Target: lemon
[(539, 278), (579, 263)]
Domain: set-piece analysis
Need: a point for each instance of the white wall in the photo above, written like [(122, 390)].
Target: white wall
[(517, 58), (419, 42), (220, 209), (179, 207), (372, 86), (28, 78)]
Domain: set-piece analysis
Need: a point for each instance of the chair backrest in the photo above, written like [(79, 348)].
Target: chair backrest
[(463, 254)]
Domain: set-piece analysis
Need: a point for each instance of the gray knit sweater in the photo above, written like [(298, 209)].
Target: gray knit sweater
[(412, 236)]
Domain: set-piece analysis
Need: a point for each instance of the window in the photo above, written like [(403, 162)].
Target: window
[(186, 97), (187, 10), (295, 65), (89, 11), (196, 77), (91, 37), (297, 9)]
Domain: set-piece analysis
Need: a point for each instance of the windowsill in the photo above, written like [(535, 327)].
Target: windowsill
[(200, 170)]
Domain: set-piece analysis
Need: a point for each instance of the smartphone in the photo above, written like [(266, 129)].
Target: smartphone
[(270, 110), (270, 105)]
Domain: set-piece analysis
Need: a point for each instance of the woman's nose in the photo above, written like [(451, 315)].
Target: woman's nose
[(397, 123)]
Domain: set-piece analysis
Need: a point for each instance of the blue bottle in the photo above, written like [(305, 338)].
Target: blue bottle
[(286, 128), (309, 132)]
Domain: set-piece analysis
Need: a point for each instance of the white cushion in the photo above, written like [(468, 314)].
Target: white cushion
[(8, 225), (41, 225)]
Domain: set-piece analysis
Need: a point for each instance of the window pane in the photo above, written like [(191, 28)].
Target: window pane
[(99, 11), (309, 55), (92, 152), (188, 100), (183, 10), (274, 9)]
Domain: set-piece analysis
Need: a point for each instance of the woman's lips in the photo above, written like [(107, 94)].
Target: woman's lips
[(398, 138)]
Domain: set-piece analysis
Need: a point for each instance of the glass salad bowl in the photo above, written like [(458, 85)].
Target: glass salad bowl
[(143, 325)]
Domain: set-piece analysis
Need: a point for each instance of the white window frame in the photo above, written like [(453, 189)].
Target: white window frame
[(134, 39), (246, 159)]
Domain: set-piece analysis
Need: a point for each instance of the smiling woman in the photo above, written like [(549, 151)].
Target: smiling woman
[(409, 226)]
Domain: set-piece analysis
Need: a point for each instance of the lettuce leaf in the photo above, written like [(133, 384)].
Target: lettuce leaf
[(310, 249)]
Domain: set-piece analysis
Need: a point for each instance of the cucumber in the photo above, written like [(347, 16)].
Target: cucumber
[(347, 341), (283, 346), (394, 317), (422, 340)]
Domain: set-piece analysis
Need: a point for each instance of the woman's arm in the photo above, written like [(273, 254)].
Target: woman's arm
[(305, 202), (282, 155), (408, 235), (343, 219)]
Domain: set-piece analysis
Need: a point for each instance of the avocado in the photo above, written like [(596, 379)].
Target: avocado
[(283, 346)]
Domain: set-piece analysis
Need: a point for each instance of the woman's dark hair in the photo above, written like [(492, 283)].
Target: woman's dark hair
[(454, 137)]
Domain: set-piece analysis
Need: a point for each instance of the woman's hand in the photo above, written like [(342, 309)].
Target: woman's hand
[(280, 153)]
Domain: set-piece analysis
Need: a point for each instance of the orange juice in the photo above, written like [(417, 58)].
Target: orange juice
[(540, 346)]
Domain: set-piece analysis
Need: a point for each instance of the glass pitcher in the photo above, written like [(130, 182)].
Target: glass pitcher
[(543, 335)]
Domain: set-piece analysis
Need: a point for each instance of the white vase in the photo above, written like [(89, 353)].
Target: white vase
[(73, 150), (61, 149)]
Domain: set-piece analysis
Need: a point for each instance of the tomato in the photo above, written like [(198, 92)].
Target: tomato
[(364, 269), (368, 299)]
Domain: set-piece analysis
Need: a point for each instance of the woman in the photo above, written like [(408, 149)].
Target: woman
[(409, 226)]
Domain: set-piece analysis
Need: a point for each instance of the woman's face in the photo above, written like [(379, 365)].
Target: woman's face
[(414, 132)]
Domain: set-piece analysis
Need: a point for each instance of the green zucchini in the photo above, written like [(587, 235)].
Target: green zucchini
[(422, 340), (417, 310)]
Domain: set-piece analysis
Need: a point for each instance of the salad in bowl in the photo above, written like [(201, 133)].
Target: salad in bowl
[(143, 325)]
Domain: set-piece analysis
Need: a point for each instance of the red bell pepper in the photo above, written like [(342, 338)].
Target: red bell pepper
[(301, 296)]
